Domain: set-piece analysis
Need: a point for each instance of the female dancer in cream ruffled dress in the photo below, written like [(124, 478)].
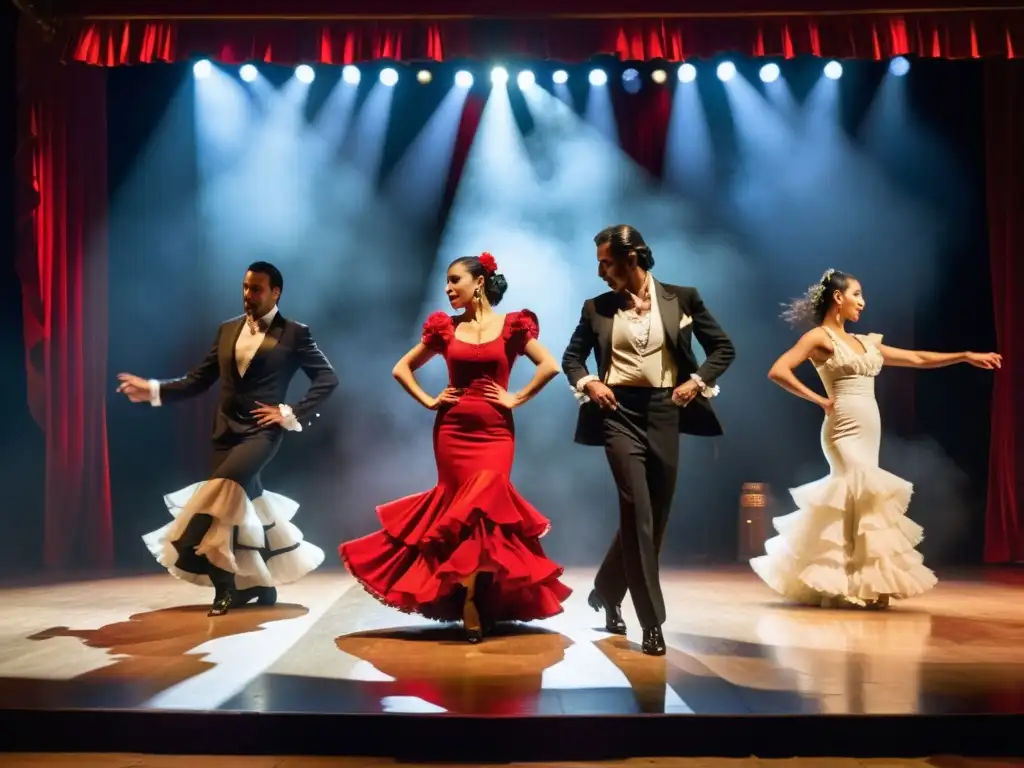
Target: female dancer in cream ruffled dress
[(849, 542)]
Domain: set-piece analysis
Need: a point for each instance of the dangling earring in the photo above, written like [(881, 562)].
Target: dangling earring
[(476, 295)]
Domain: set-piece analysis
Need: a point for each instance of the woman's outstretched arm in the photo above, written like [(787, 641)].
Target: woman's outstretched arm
[(910, 358)]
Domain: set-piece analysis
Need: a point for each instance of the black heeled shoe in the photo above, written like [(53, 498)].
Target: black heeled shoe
[(221, 603), (471, 622), (654, 642), (613, 621)]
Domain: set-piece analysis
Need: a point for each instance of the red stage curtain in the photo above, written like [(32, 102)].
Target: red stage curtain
[(62, 263), (875, 36), (1004, 100), (63, 138)]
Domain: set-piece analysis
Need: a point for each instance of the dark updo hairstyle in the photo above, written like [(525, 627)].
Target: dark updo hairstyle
[(812, 308), (623, 240), (495, 284)]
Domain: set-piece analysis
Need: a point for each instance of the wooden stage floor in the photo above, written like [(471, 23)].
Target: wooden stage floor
[(145, 644)]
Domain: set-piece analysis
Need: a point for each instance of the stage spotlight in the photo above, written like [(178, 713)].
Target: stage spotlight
[(248, 73), (631, 81), (350, 74), (424, 76), (725, 71), (388, 76), (833, 70), (560, 77), (687, 73), (899, 66), (769, 73), (463, 79), (525, 80), (499, 76), (202, 69), (659, 76), (304, 73), (598, 77)]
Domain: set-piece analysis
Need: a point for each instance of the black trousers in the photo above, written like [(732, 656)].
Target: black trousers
[(642, 446), (240, 459)]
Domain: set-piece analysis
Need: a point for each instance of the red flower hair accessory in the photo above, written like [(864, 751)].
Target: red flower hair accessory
[(488, 263)]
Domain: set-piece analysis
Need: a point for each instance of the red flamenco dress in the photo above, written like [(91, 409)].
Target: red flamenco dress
[(472, 521)]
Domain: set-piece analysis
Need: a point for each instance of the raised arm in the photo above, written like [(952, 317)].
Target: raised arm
[(581, 344), (193, 383), (322, 378), (908, 358), (717, 346), (815, 344)]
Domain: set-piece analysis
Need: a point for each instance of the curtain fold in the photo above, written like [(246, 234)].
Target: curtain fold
[(875, 36), (1004, 100), (61, 264)]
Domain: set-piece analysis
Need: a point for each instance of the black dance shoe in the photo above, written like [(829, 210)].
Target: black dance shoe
[(221, 604), (654, 642), (613, 621), (471, 622)]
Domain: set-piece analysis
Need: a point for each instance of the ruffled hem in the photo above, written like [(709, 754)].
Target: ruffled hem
[(255, 540), (848, 542), (438, 516), (433, 541)]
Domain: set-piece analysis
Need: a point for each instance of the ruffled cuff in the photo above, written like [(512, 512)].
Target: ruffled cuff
[(705, 390), (290, 422)]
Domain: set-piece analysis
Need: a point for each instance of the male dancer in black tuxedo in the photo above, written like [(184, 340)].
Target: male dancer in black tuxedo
[(648, 389), (227, 530)]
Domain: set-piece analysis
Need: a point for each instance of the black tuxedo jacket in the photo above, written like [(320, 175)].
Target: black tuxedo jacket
[(287, 347), (594, 334)]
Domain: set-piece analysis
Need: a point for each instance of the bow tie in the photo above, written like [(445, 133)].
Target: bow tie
[(256, 326)]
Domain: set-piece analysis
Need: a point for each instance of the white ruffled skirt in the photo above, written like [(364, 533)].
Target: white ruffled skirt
[(255, 540), (849, 541)]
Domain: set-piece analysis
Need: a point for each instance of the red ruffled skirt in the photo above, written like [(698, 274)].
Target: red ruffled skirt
[(432, 542)]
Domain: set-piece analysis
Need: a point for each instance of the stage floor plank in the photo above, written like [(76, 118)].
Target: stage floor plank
[(327, 647)]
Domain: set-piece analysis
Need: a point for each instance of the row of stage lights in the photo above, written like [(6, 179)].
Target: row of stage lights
[(686, 73)]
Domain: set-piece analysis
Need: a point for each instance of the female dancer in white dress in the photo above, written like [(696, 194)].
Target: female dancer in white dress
[(849, 542)]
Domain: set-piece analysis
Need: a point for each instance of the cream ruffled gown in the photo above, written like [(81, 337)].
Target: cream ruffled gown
[(849, 540)]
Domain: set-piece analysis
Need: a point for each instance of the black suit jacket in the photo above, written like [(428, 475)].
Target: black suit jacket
[(287, 347), (594, 334)]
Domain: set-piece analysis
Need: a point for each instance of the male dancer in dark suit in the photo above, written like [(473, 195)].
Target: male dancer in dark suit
[(648, 389), (227, 531)]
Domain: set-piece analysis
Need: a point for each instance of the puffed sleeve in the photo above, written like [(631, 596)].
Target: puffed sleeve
[(523, 326), (437, 332)]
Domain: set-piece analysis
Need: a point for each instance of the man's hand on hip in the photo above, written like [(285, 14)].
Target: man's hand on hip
[(601, 394)]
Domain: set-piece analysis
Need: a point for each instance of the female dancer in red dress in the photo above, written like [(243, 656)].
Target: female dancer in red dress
[(469, 548)]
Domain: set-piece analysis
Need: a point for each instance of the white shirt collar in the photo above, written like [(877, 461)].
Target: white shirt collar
[(269, 317)]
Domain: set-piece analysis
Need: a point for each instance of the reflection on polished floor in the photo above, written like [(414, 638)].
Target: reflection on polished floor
[(146, 643), (211, 761)]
